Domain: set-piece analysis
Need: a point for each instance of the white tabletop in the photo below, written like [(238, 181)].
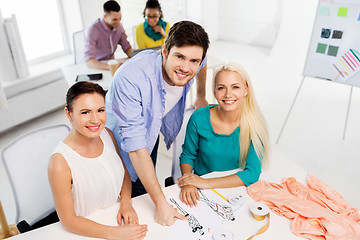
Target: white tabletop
[(71, 71), (242, 228)]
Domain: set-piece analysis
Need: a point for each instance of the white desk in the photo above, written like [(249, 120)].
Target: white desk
[(72, 70), (242, 228)]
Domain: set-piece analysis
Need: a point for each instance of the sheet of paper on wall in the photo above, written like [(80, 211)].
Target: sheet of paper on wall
[(207, 218), (347, 64)]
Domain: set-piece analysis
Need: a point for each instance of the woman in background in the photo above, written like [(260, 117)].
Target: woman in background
[(86, 172), (223, 137), (153, 31)]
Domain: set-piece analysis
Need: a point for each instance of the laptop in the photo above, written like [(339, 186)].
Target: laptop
[(136, 51)]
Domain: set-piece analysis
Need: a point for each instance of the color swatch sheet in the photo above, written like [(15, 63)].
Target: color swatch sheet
[(333, 49)]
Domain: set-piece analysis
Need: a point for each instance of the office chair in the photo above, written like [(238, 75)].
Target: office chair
[(135, 46), (25, 162), (79, 47), (177, 149)]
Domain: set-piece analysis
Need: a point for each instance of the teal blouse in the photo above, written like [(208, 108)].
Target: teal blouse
[(207, 151)]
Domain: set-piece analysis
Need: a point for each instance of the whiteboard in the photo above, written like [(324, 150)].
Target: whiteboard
[(334, 49)]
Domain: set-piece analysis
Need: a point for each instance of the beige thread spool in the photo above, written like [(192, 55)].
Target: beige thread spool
[(259, 212)]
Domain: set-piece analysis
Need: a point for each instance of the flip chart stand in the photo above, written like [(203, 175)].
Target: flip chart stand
[(293, 103), (291, 107)]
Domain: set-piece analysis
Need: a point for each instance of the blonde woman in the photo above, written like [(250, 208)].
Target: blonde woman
[(223, 137), (86, 172)]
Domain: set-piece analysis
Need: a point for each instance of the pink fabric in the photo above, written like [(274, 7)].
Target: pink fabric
[(317, 211)]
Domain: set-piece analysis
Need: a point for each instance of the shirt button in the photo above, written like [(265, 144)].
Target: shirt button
[(150, 148), (160, 117), (155, 134)]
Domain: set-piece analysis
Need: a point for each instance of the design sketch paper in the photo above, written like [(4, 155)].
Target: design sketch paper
[(210, 220), (347, 64)]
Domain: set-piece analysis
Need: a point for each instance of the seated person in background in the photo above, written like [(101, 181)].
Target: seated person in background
[(103, 36), (223, 137), (86, 172), (153, 31)]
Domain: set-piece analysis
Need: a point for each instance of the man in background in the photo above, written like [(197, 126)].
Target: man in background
[(103, 36)]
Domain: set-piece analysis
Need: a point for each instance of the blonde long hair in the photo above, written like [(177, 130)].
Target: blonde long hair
[(252, 123)]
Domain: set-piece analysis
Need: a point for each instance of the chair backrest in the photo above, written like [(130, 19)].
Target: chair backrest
[(79, 47), (25, 161), (177, 146), (135, 46)]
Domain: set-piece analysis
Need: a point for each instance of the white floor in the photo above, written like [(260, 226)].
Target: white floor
[(312, 138)]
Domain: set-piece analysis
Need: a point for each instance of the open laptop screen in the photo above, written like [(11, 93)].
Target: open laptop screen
[(136, 51)]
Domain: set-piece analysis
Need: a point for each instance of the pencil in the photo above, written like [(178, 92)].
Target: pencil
[(220, 195)]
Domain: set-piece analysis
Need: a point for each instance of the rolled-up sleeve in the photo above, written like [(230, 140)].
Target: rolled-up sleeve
[(123, 42), (127, 109), (252, 170)]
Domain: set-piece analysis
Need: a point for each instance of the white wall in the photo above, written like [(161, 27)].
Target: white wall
[(254, 22), (204, 12)]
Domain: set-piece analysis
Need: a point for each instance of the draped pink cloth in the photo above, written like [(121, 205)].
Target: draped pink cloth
[(317, 211)]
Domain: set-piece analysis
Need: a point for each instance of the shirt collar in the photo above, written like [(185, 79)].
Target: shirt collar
[(104, 26)]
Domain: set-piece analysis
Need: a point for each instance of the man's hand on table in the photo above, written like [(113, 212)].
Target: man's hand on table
[(166, 215)]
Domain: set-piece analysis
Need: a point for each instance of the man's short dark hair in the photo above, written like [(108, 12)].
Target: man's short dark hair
[(187, 33), (111, 6)]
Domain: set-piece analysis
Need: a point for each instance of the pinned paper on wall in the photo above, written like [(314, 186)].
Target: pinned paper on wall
[(321, 48), (324, 11), (358, 17), (347, 64), (337, 34), (325, 33), (342, 12), (333, 50)]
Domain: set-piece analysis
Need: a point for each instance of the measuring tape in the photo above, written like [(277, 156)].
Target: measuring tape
[(260, 212)]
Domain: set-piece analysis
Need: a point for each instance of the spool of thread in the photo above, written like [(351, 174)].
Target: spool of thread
[(259, 211), (236, 200), (223, 234)]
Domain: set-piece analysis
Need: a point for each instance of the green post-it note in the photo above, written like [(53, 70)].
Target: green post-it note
[(321, 48), (324, 11), (342, 12), (333, 50)]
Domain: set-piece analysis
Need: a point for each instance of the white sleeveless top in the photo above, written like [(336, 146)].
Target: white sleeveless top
[(97, 181)]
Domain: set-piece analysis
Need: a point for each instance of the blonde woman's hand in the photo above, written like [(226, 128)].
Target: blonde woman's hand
[(193, 180), (189, 195), (127, 213)]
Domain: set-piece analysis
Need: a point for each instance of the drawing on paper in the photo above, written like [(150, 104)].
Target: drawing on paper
[(193, 222)]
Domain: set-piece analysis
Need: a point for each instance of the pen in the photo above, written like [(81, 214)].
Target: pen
[(220, 195)]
